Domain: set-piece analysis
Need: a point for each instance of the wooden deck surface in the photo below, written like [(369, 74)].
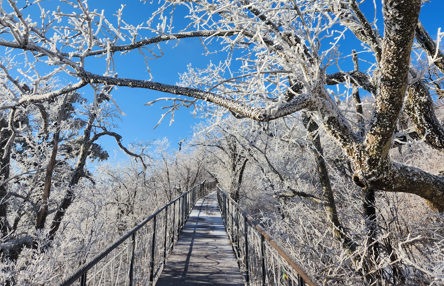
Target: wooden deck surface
[(203, 254)]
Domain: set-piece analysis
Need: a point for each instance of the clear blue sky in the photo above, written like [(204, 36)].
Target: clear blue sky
[(140, 119), (139, 122)]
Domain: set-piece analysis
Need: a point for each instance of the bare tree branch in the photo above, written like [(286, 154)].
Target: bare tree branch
[(429, 46), (158, 39), (118, 138), (295, 193)]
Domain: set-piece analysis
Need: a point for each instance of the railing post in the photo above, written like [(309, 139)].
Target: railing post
[(186, 209), (182, 222), (238, 234), (174, 225), (179, 216), (301, 281), (131, 270), (232, 220), (247, 271), (83, 279), (264, 270), (166, 236), (183, 211), (228, 216), (153, 250), (225, 209)]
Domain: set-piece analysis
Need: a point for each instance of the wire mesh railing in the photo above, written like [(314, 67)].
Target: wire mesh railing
[(139, 256), (262, 260)]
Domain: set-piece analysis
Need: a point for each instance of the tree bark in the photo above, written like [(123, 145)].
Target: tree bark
[(368, 195), (5, 158), (43, 211), (77, 174), (80, 169), (429, 46), (327, 192), (237, 181)]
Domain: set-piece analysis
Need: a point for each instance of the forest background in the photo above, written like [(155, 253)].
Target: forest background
[(276, 80)]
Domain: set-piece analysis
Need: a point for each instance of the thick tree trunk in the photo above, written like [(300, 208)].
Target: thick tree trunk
[(394, 64), (373, 167)]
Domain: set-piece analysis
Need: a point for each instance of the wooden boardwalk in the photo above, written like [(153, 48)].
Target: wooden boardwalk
[(203, 254)]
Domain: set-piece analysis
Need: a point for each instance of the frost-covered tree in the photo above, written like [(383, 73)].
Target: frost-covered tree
[(45, 149), (284, 188), (279, 44), (281, 56), (172, 173), (226, 158)]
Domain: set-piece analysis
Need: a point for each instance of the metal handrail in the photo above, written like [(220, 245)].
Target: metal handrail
[(264, 261), (186, 203)]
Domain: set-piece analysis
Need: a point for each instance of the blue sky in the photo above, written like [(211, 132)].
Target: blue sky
[(139, 120)]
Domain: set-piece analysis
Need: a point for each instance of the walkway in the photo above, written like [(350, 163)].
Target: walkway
[(203, 254)]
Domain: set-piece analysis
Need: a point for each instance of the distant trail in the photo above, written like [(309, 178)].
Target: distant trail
[(203, 254)]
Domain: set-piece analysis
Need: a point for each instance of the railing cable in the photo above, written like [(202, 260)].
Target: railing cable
[(140, 260), (262, 259)]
